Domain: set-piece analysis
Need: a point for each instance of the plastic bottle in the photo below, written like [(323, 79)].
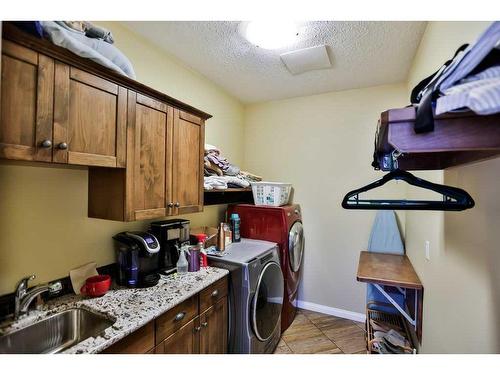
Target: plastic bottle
[(228, 235), (201, 238), (235, 227), (182, 263), (221, 239)]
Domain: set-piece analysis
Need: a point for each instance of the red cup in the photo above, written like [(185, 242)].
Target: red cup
[(96, 286)]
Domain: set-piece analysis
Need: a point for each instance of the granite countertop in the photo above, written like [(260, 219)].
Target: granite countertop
[(132, 308)]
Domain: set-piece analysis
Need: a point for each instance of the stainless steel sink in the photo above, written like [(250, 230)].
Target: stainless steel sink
[(55, 333)]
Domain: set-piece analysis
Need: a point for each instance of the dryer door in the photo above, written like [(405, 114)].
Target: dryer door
[(296, 245), (267, 302)]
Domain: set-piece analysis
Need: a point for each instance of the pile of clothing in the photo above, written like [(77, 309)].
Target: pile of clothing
[(388, 339), (220, 174), (473, 79), (83, 39)]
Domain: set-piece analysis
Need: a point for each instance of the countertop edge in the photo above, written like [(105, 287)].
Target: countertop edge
[(132, 308)]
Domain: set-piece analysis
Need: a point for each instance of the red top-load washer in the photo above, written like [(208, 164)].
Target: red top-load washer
[(282, 225)]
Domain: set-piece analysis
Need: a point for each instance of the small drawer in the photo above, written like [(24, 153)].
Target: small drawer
[(175, 318), (138, 342), (211, 294)]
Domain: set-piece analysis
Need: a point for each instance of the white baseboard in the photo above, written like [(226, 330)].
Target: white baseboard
[(340, 313)]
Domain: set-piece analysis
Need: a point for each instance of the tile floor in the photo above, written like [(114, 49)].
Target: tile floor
[(316, 333)]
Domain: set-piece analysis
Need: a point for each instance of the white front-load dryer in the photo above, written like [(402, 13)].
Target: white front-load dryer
[(255, 295)]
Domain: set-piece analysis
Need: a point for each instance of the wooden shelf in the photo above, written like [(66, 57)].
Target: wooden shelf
[(395, 271), (228, 196), (387, 269), (229, 190), (458, 138)]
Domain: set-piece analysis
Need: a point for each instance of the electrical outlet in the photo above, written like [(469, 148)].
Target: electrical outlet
[(428, 250)]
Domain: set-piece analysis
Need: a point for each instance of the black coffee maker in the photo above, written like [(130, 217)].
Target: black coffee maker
[(170, 233), (137, 258)]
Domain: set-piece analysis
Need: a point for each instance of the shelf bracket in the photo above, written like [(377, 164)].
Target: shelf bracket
[(412, 321)]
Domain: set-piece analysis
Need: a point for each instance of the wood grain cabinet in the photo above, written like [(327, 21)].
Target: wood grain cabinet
[(185, 329), (213, 334), (145, 155), (149, 177), (26, 104), (90, 115), (53, 112), (164, 174), (184, 341), (188, 152)]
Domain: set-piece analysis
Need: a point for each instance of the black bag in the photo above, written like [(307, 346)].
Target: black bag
[(424, 93)]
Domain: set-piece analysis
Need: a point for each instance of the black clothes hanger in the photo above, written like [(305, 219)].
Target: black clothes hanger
[(454, 199)]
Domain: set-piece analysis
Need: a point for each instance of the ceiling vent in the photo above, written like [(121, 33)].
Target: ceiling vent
[(306, 59)]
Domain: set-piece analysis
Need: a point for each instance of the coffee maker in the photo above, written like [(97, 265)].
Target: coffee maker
[(137, 258), (172, 234)]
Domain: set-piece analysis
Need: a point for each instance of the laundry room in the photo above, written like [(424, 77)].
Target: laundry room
[(314, 183)]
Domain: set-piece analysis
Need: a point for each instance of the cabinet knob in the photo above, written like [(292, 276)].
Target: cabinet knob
[(197, 329), (62, 146), (179, 316), (177, 204), (170, 204), (215, 293), (46, 144), (204, 324)]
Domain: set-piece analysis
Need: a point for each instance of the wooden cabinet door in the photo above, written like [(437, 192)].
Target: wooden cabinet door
[(184, 341), (26, 104), (90, 115), (188, 151), (149, 161), (214, 324)]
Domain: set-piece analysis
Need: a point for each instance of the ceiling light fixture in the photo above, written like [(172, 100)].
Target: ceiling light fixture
[(270, 34)]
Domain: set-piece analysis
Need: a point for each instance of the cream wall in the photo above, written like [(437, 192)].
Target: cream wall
[(323, 145), (462, 284), (44, 229)]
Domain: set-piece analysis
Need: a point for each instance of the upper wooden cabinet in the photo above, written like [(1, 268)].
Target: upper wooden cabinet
[(150, 158), (90, 116), (188, 152), (56, 113), (144, 149), (27, 104), (164, 174)]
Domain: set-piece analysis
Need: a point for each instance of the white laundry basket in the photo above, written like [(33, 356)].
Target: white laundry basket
[(271, 193)]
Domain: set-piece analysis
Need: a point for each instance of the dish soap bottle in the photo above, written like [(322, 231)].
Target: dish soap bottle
[(235, 227), (182, 263)]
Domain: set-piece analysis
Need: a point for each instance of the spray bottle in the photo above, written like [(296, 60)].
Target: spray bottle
[(182, 263)]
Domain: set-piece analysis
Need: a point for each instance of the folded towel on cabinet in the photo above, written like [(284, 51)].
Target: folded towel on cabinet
[(79, 43)]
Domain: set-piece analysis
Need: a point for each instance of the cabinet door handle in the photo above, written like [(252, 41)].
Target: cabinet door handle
[(62, 146), (46, 144), (215, 293), (177, 204), (197, 329), (170, 204), (180, 316), (204, 324)]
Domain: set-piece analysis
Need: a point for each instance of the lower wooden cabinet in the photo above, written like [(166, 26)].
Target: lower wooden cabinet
[(192, 327), (213, 333), (185, 341)]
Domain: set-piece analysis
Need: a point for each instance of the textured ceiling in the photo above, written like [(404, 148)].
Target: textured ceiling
[(363, 54)]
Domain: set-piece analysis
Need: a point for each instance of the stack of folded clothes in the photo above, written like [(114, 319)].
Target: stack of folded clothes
[(220, 174)]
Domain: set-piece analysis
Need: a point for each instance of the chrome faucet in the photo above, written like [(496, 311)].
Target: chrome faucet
[(24, 298)]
